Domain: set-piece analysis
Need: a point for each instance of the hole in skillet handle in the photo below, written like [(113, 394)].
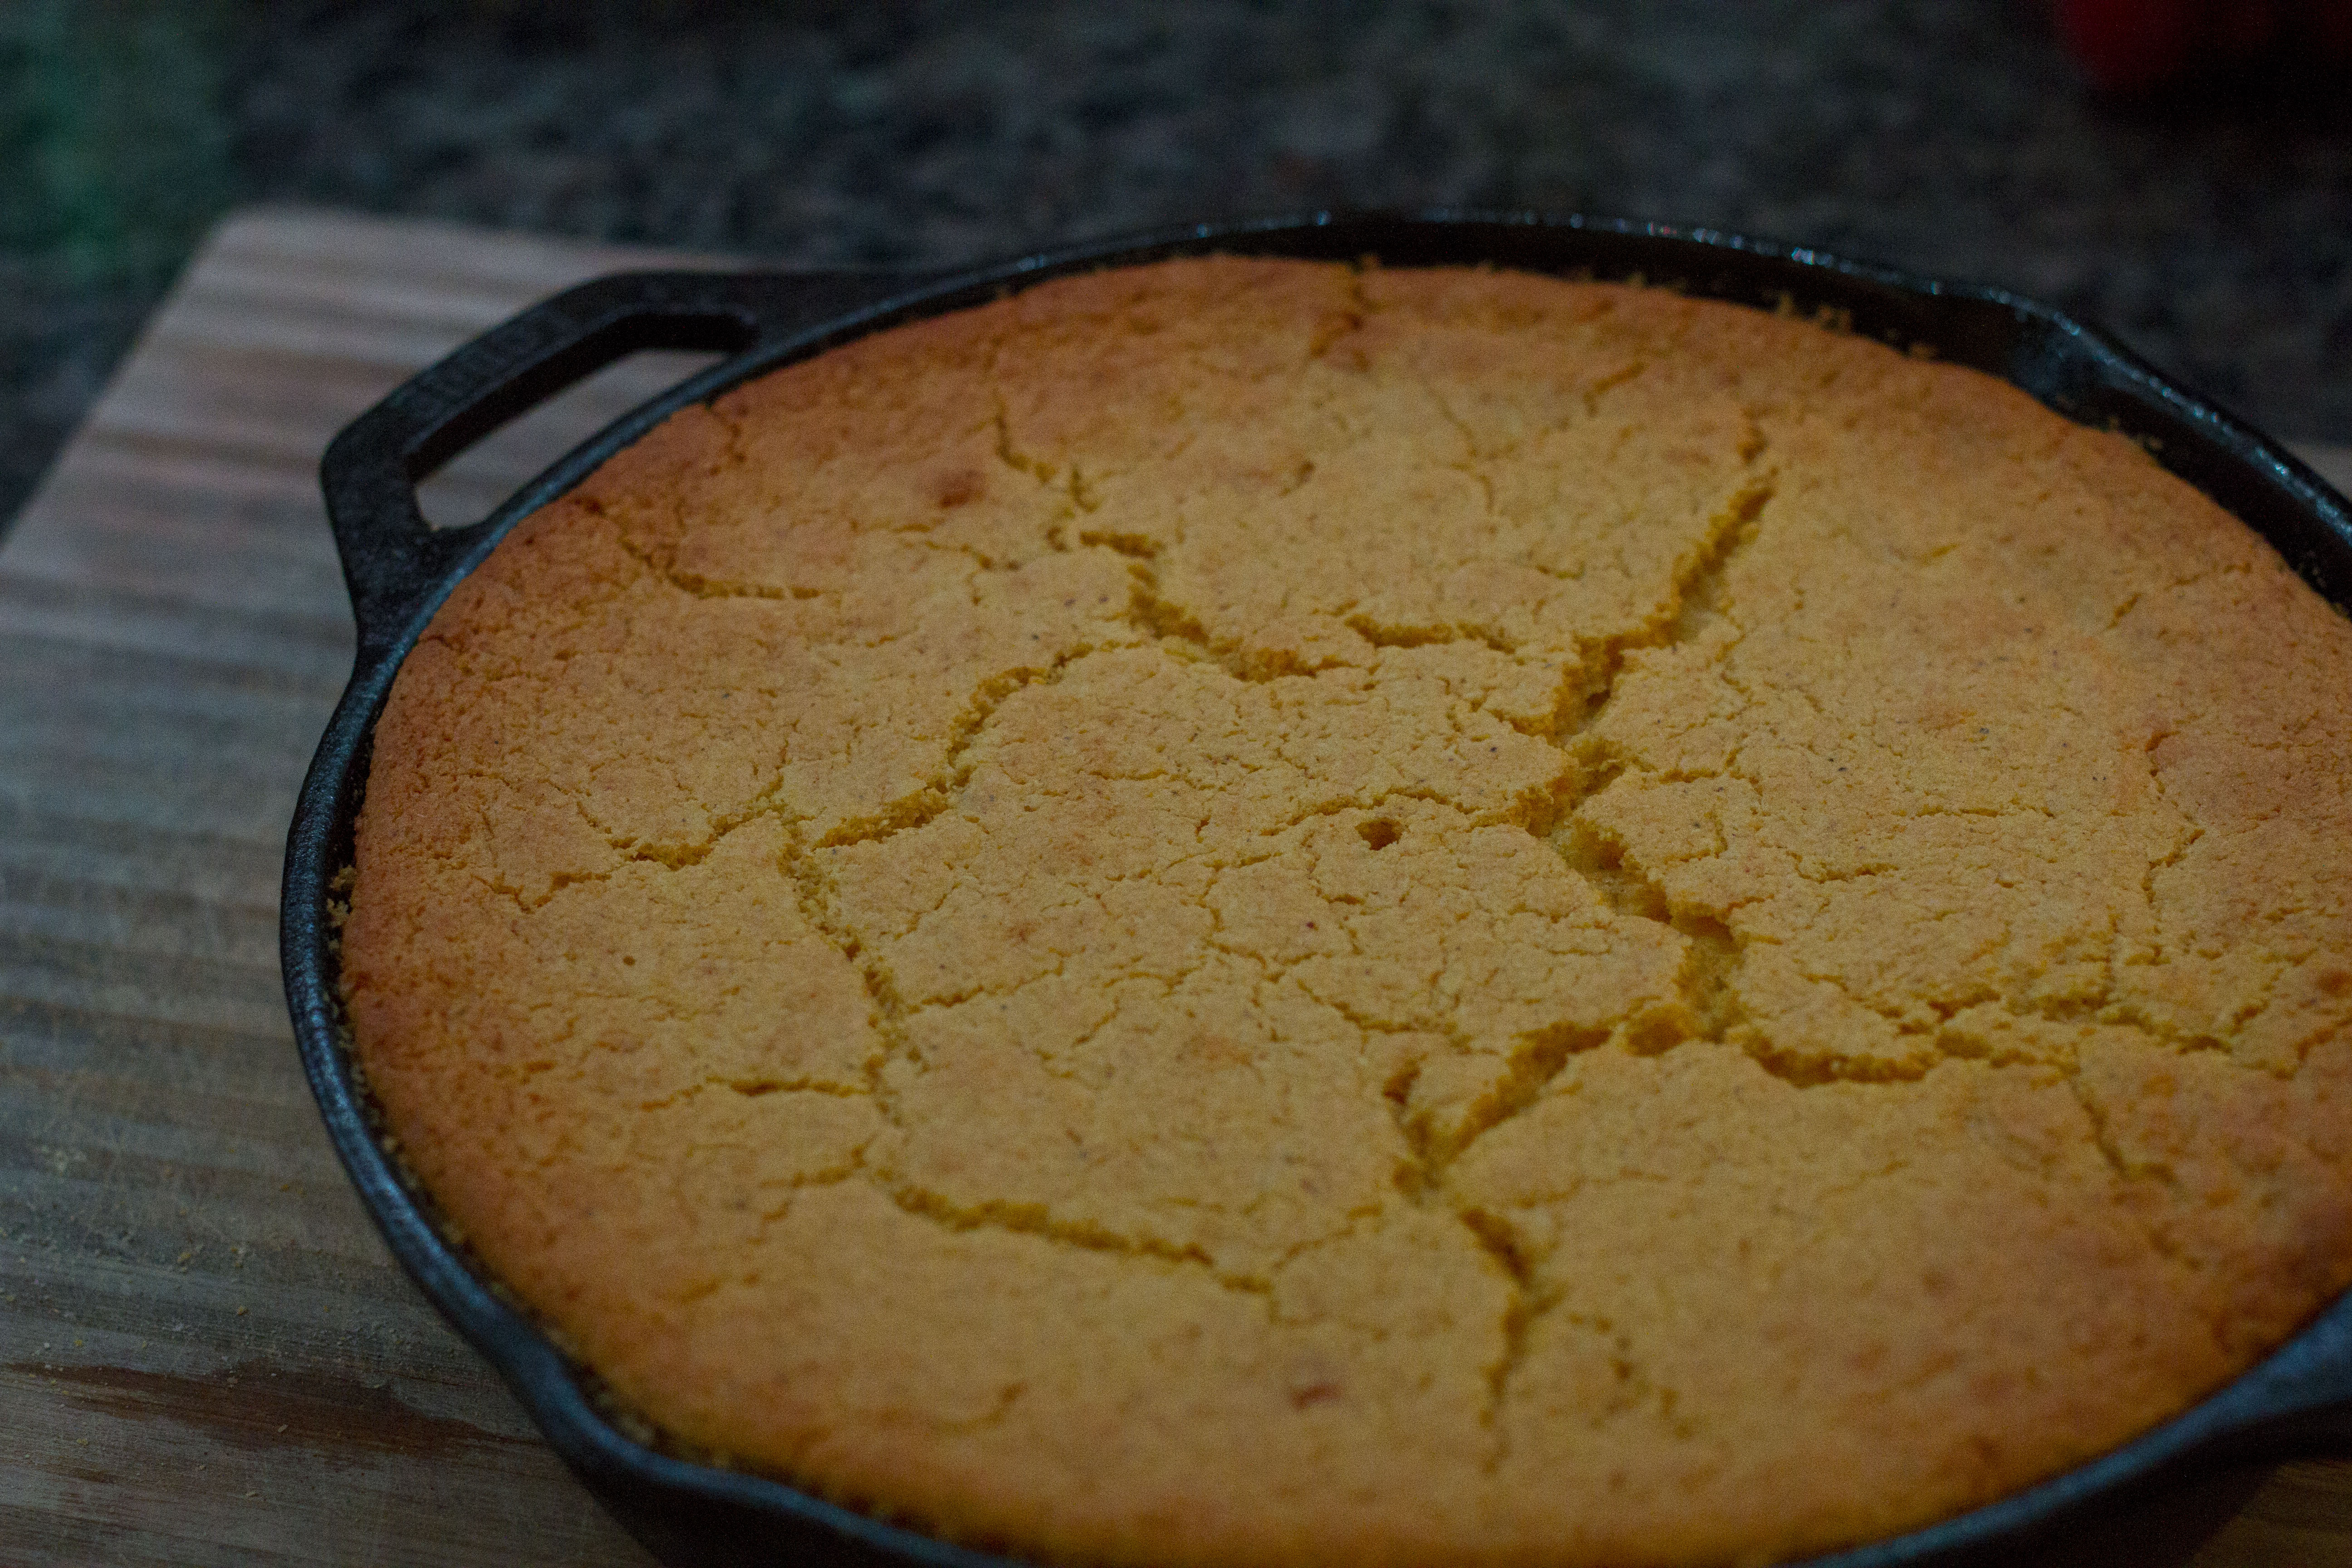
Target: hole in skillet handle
[(475, 483)]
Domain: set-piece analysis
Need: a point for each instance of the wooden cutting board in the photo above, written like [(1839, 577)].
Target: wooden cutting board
[(206, 1355)]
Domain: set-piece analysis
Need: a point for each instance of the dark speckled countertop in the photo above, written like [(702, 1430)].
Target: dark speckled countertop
[(2211, 229)]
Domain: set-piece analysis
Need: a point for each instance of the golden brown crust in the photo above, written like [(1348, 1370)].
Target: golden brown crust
[(1245, 911)]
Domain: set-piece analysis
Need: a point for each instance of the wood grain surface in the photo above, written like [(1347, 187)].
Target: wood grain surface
[(206, 1355)]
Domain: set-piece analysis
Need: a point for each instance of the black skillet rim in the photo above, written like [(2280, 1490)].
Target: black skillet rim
[(2297, 1397)]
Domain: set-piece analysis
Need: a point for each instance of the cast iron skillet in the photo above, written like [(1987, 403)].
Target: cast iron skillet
[(2156, 1495)]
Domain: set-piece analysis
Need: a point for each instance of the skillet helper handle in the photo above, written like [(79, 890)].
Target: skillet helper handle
[(392, 558)]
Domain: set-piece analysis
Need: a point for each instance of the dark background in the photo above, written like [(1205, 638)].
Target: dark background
[(2211, 227)]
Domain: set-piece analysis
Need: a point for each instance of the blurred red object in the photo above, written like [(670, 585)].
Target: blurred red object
[(2134, 46)]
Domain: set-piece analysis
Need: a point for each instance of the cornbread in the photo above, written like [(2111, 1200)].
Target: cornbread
[(1245, 911)]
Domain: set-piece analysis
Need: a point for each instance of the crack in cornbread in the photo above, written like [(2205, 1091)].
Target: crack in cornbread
[(1245, 911)]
